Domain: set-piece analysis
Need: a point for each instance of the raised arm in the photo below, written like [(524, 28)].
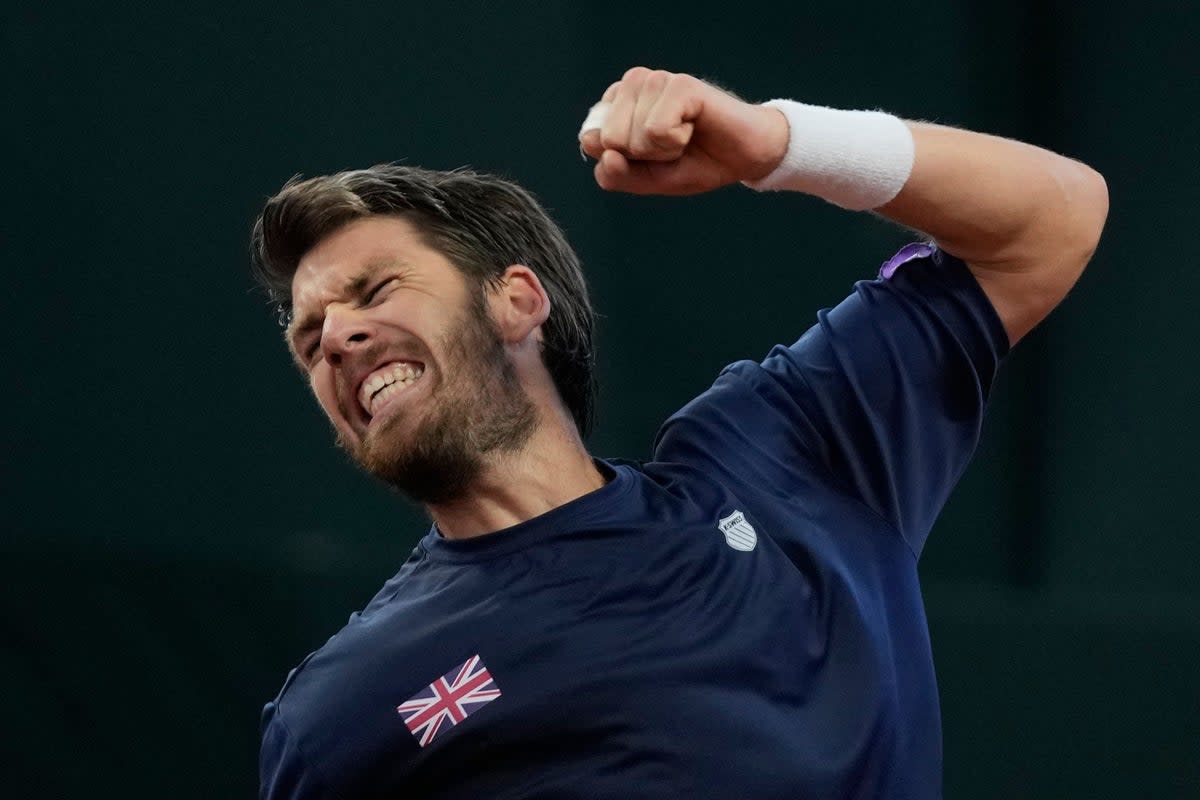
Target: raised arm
[(1024, 219)]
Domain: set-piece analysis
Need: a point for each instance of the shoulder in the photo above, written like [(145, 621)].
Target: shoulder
[(346, 637)]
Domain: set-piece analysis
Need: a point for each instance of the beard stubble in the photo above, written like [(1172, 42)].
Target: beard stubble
[(478, 408)]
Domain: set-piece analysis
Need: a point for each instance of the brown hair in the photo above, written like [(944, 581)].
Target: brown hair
[(480, 222)]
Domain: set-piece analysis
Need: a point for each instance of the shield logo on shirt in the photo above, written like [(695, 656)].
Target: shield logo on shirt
[(739, 534)]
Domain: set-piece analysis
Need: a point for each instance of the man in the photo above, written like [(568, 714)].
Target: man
[(739, 617)]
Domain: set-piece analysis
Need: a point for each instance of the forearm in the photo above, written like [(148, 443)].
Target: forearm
[(1024, 219)]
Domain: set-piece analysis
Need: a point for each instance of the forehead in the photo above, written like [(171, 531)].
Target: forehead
[(327, 270)]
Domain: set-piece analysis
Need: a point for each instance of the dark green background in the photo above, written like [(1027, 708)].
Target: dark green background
[(179, 530)]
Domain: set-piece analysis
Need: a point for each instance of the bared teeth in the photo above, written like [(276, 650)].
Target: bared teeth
[(386, 381)]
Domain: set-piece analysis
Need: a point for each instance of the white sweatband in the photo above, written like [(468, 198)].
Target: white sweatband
[(854, 159)]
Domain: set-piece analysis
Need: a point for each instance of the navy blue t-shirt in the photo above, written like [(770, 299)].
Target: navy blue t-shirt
[(737, 618)]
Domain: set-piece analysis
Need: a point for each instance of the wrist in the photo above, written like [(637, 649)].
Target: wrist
[(854, 159), (773, 138)]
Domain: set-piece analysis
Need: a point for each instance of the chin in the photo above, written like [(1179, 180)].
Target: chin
[(433, 466)]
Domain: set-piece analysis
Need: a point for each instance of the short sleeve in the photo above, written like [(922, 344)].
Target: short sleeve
[(885, 395), (281, 769)]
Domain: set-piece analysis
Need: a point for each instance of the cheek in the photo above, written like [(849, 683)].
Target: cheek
[(321, 384)]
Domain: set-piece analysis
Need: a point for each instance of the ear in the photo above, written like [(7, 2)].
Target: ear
[(520, 304)]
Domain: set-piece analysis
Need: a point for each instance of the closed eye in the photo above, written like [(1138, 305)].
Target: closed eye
[(311, 347), (310, 351), (374, 293)]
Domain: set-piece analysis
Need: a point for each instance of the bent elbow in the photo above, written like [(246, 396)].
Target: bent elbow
[(1087, 199), (1067, 233)]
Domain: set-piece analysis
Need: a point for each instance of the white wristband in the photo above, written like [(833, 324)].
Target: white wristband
[(854, 159)]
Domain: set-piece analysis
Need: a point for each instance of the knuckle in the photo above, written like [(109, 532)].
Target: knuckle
[(635, 74), (653, 79), (680, 81)]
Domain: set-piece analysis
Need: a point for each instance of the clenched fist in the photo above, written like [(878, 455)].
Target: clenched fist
[(669, 133)]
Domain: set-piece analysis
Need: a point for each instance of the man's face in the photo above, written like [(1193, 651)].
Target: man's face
[(404, 359)]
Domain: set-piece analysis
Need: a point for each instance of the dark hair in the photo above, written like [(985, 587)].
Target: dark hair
[(480, 222)]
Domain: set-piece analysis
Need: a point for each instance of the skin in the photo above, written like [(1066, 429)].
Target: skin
[(343, 332), (1026, 221)]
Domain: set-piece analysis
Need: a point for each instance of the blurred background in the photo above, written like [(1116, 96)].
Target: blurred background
[(179, 530)]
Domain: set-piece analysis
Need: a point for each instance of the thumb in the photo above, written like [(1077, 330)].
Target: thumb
[(615, 173)]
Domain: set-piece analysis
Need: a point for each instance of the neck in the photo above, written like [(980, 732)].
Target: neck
[(553, 468)]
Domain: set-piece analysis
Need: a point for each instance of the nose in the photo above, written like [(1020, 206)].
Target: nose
[(345, 331)]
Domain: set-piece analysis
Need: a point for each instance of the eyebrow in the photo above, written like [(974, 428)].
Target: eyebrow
[(356, 286)]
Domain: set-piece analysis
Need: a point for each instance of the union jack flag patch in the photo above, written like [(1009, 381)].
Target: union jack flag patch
[(449, 700)]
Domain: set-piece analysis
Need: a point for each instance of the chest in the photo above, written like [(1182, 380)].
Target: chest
[(699, 668)]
